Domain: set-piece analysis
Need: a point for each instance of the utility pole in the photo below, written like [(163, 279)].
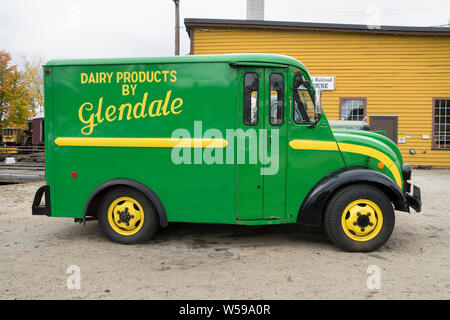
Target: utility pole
[(177, 27)]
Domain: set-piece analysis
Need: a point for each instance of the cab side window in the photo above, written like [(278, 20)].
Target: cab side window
[(303, 105), (276, 98), (251, 98)]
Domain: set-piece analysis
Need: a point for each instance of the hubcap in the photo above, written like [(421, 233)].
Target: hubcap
[(125, 215), (362, 220)]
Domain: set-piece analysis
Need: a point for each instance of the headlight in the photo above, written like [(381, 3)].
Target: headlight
[(406, 171)]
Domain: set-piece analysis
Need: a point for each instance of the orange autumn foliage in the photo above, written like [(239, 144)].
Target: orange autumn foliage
[(16, 103)]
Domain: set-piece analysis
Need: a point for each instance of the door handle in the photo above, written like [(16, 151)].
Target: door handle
[(290, 109)]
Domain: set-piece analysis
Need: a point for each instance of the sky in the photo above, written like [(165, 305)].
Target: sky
[(58, 29)]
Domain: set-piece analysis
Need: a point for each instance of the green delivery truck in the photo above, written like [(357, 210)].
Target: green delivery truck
[(137, 143)]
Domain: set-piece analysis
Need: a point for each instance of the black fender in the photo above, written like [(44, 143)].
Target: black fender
[(90, 203), (313, 207)]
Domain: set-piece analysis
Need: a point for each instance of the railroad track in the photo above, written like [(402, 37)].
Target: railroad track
[(22, 172), (23, 166)]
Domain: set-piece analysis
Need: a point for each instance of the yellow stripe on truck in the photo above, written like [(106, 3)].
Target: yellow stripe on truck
[(142, 142), (348, 147), (313, 145), (371, 152)]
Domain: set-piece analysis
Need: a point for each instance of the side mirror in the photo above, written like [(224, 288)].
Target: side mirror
[(299, 80), (318, 102)]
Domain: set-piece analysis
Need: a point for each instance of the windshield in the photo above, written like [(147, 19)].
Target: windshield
[(303, 104)]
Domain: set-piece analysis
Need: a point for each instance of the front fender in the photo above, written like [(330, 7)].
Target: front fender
[(313, 207)]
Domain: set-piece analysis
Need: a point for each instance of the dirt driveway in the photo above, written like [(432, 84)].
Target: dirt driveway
[(188, 261)]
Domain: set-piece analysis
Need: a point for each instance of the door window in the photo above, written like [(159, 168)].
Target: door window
[(251, 98), (276, 98)]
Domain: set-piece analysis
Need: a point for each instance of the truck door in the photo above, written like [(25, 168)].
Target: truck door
[(315, 152), (250, 119), (261, 179), (274, 161)]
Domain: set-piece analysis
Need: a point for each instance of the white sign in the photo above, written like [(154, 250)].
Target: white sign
[(323, 82), (9, 160)]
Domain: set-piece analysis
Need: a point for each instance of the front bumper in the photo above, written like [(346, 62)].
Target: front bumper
[(415, 199), (41, 210)]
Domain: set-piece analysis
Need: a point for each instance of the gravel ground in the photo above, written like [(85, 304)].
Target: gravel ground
[(194, 261)]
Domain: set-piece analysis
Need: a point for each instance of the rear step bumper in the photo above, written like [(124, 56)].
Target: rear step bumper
[(41, 210)]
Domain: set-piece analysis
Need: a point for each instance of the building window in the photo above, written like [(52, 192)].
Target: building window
[(441, 123), (353, 108), (251, 98), (276, 99)]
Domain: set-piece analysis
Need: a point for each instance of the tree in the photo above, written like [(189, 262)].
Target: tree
[(16, 104), (34, 79)]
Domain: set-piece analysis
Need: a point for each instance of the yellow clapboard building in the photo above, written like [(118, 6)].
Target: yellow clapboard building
[(395, 78)]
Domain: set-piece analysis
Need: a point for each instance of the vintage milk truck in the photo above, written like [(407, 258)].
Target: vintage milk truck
[(239, 139)]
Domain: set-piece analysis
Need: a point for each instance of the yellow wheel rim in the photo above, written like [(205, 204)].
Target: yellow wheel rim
[(362, 220), (125, 216)]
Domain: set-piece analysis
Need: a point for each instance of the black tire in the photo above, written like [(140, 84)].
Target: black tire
[(150, 216), (335, 211)]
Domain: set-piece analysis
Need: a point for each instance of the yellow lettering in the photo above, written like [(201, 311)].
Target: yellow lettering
[(109, 75), (119, 76), (142, 76), (91, 78), (84, 78), (166, 102), (150, 108), (90, 122), (126, 77), (157, 72), (142, 105), (125, 90), (99, 111), (91, 116), (173, 75), (173, 107), (111, 110), (133, 89), (102, 77), (165, 75), (149, 79), (134, 76), (122, 107)]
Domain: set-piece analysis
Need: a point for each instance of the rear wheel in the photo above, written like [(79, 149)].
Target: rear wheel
[(127, 216), (359, 218)]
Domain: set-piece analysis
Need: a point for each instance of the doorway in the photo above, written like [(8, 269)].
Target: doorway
[(387, 123)]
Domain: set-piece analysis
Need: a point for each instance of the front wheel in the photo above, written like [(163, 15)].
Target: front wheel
[(359, 218), (127, 216)]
